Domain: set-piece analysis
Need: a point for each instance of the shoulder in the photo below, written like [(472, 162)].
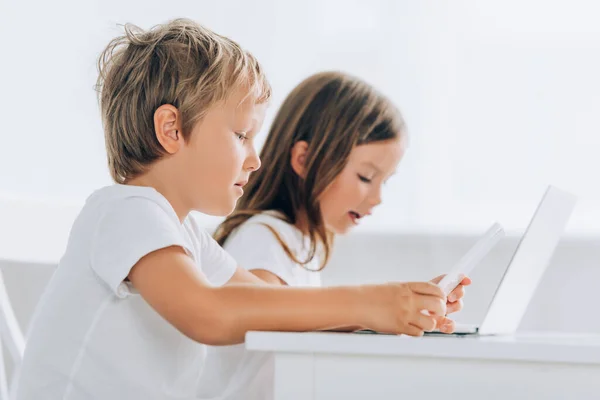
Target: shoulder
[(267, 227), (123, 216), (129, 202), (261, 242)]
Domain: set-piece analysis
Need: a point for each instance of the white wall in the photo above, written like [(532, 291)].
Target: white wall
[(500, 98)]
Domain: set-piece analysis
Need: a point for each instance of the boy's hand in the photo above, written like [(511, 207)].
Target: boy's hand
[(398, 307)]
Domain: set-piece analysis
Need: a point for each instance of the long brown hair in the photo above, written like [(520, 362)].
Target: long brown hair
[(333, 112)]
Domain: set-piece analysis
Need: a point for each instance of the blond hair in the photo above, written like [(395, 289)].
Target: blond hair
[(333, 112), (180, 63)]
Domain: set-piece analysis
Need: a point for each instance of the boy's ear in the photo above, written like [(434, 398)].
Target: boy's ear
[(167, 127), (298, 158)]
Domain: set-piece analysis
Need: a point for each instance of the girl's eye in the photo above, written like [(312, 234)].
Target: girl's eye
[(364, 179), (241, 136)]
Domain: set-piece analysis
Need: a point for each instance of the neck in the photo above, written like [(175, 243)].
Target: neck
[(163, 185), (302, 224)]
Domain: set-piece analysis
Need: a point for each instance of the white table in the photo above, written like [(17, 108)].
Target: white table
[(360, 366)]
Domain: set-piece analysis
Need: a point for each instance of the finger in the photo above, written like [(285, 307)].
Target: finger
[(466, 281), (428, 289), (424, 322), (454, 307), (412, 330), (446, 325), (457, 294), (434, 305)]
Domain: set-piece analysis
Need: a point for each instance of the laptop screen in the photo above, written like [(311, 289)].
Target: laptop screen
[(529, 262)]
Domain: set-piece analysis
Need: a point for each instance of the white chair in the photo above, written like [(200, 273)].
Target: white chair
[(11, 336)]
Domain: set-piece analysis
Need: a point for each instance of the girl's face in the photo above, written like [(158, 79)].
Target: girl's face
[(357, 189)]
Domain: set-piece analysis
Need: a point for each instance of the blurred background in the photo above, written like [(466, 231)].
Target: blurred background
[(500, 98)]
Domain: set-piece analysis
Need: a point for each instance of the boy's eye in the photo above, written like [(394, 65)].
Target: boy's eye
[(364, 179)]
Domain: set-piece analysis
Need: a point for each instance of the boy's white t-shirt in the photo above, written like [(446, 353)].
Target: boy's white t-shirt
[(92, 335), (231, 372)]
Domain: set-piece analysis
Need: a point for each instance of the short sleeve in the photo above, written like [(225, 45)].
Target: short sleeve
[(128, 230), (254, 246)]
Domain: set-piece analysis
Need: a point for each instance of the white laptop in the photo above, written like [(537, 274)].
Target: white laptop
[(526, 268)]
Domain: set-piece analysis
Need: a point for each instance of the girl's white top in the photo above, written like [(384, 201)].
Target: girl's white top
[(231, 372)]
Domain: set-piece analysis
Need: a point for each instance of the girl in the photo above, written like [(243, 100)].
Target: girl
[(333, 144)]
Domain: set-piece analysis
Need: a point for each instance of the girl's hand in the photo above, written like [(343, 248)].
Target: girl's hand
[(454, 304)]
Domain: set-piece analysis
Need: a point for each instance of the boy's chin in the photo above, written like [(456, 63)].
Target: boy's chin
[(228, 208), (219, 210), (224, 212)]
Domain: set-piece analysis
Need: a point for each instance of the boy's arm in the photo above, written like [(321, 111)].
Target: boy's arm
[(169, 281), (268, 277), (454, 303)]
